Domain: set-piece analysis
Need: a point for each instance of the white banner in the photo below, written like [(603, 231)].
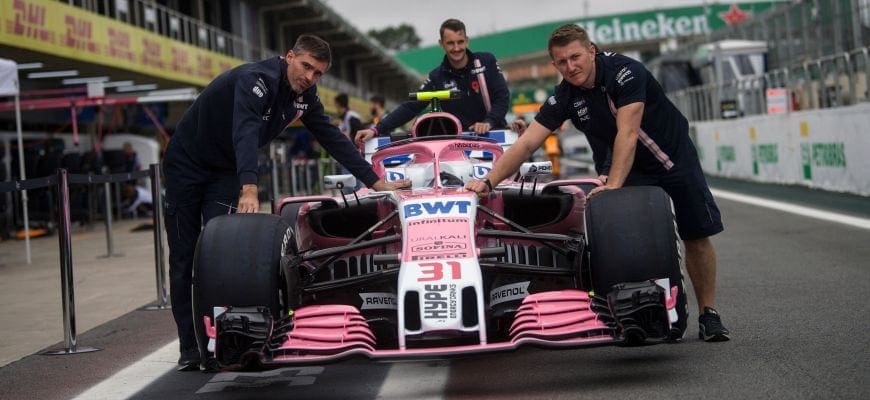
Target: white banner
[(826, 149), (8, 77)]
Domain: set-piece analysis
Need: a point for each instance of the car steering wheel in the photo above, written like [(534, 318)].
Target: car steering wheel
[(448, 179)]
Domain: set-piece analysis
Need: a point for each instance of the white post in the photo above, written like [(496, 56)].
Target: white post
[(22, 175)]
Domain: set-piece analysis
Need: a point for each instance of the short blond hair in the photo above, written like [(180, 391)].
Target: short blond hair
[(566, 34)]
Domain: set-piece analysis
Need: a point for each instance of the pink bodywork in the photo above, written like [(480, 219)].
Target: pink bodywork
[(334, 332), (325, 333)]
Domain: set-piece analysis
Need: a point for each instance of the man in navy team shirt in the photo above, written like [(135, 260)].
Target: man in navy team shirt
[(638, 137), (211, 161), (485, 97)]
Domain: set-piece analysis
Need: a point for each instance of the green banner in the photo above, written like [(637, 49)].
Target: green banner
[(764, 154), (657, 24)]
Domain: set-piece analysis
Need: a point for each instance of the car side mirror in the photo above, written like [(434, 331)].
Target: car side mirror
[(339, 181), (538, 168)]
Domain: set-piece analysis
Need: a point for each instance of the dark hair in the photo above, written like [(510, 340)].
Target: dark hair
[(453, 24), (378, 99), (341, 100), (315, 47), (566, 34)]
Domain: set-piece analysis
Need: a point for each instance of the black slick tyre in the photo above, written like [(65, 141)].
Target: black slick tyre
[(237, 264), (632, 238)]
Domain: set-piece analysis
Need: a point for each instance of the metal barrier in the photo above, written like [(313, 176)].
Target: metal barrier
[(157, 219), (830, 81), (303, 177), (299, 177), (62, 181)]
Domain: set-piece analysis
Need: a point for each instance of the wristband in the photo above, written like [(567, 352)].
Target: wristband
[(488, 183)]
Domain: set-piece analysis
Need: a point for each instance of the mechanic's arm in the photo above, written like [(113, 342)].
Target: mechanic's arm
[(628, 119), (246, 125), (342, 150), (400, 116), (508, 163)]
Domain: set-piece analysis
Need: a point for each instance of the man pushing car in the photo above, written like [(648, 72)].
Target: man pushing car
[(638, 137)]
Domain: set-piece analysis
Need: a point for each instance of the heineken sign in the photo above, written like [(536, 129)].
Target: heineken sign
[(636, 27), (650, 26), (668, 23)]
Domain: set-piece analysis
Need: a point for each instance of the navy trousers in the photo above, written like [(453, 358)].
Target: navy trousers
[(194, 195)]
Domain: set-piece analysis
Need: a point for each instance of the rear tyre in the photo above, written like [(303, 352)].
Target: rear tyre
[(632, 238), (237, 263)]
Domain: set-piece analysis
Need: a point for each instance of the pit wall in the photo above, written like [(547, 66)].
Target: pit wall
[(825, 149)]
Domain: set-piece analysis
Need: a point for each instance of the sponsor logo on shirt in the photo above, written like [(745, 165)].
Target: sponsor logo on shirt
[(475, 71), (623, 76), (449, 84), (581, 109), (268, 115), (552, 100), (300, 105), (258, 91)]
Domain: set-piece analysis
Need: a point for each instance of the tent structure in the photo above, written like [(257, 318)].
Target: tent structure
[(9, 87)]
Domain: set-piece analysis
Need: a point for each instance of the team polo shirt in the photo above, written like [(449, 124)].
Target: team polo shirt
[(469, 108), (663, 140), (247, 107)]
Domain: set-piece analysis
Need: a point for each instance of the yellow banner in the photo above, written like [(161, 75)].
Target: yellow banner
[(58, 29)]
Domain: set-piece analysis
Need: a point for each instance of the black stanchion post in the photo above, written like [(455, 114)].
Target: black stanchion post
[(275, 194), (159, 265), (66, 271)]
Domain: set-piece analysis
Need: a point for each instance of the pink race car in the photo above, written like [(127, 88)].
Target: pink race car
[(434, 270)]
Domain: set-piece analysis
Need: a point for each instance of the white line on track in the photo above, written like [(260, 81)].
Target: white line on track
[(415, 380), (135, 377), (793, 208)]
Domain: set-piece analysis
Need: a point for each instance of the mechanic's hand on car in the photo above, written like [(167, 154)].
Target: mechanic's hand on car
[(249, 200), (382, 186), (363, 135), (519, 125), (600, 189), (479, 186), (480, 127)]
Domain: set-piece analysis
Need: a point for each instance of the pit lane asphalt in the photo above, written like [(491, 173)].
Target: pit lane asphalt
[(793, 290)]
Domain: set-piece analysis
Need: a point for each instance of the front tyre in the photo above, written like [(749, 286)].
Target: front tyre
[(237, 264), (632, 240)]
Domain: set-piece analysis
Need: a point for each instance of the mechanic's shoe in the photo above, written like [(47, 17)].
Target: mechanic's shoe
[(210, 366), (189, 360), (710, 328)]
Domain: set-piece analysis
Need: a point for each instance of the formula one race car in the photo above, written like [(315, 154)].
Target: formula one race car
[(434, 270)]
